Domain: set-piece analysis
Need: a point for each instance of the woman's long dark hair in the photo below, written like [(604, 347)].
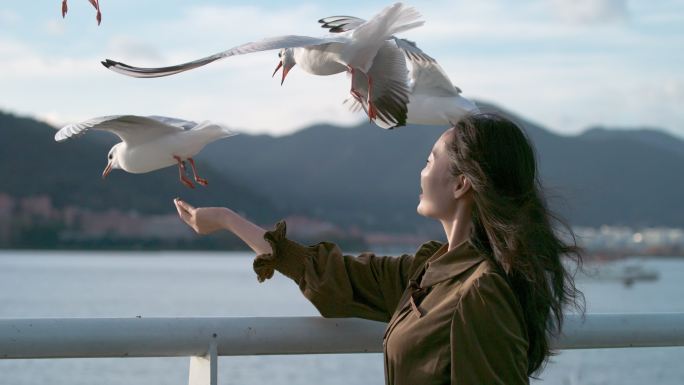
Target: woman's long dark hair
[(513, 227)]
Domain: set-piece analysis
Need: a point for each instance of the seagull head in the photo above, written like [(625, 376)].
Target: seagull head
[(112, 160), (287, 61)]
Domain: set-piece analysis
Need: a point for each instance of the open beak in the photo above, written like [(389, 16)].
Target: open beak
[(277, 68), (285, 71), (107, 170)]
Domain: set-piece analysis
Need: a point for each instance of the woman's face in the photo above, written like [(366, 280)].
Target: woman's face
[(437, 184)]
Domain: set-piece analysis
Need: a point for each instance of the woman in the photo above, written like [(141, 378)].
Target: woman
[(477, 309)]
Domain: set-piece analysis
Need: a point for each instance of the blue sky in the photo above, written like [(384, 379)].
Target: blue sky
[(567, 64)]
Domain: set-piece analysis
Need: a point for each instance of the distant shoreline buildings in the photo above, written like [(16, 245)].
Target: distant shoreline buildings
[(33, 222)]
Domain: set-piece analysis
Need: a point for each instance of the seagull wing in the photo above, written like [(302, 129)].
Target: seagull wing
[(390, 88), (412, 51), (337, 24), (279, 42), (131, 129), (430, 79), (184, 124)]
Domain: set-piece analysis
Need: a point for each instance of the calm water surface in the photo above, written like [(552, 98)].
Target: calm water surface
[(101, 284)]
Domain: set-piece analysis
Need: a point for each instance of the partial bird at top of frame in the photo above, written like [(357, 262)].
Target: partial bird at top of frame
[(95, 3)]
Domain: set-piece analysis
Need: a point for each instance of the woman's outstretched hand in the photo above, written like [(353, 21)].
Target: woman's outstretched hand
[(204, 220)]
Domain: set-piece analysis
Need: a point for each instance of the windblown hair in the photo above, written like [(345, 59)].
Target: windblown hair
[(513, 227)]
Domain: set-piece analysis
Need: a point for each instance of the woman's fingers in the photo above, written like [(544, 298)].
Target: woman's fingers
[(203, 220), (186, 206), (182, 211)]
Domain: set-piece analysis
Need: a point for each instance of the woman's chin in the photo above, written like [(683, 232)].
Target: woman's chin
[(425, 210), (420, 209)]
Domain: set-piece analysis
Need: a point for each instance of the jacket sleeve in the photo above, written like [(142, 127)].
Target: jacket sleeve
[(365, 286), (488, 337)]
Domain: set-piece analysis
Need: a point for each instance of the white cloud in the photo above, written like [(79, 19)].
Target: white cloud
[(133, 49), (54, 27), (21, 62), (674, 89), (9, 17), (591, 11)]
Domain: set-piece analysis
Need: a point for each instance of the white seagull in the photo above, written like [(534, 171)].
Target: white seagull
[(363, 52), (433, 99), (149, 143)]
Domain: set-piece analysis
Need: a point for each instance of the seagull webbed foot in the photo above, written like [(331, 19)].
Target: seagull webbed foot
[(187, 182), (199, 180), (181, 173)]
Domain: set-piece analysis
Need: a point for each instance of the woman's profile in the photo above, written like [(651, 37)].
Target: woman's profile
[(479, 308)]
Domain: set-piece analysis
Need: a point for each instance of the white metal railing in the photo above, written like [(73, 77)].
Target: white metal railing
[(204, 339)]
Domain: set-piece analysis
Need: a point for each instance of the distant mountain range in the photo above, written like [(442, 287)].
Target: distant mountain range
[(363, 176)]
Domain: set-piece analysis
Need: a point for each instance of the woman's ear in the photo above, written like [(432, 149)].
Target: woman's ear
[(461, 186)]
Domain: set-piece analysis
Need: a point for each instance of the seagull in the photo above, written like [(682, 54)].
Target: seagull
[(433, 99), (95, 3), (149, 143), (358, 52)]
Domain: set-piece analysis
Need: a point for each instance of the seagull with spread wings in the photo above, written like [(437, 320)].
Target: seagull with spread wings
[(363, 52), (150, 143)]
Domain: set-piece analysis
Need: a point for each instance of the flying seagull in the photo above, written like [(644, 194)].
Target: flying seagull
[(363, 52), (433, 99), (150, 143), (95, 3)]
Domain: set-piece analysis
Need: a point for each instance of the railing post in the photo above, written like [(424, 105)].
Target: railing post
[(204, 369)]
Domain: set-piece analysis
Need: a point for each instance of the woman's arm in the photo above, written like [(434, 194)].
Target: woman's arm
[(206, 220), (365, 286)]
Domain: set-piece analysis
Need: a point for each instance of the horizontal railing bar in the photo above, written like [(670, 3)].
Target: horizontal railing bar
[(176, 337), (622, 331)]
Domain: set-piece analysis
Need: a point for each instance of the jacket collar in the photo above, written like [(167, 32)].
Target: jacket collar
[(444, 264)]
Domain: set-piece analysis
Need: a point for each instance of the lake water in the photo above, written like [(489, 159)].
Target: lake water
[(190, 284)]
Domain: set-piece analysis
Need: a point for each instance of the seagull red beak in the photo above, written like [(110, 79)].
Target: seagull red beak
[(277, 68), (285, 71), (107, 170)]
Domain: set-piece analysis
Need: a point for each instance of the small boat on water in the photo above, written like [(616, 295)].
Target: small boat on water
[(627, 273)]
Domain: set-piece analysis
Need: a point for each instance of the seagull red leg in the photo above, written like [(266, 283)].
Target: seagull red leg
[(372, 112), (181, 173), (199, 180), (96, 4), (65, 8), (352, 91)]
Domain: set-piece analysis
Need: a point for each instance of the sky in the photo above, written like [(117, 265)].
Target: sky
[(566, 64)]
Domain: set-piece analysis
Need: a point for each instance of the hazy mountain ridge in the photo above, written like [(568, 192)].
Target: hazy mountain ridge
[(650, 136), (370, 176), (363, 176)]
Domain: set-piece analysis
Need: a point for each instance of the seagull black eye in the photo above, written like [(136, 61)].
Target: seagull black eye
[(280, 54), (110, 156)]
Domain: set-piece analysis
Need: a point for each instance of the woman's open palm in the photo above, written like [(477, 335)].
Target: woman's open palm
[(204, 220)]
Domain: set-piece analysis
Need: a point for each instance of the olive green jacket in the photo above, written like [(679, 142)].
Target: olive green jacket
[(452, 318)]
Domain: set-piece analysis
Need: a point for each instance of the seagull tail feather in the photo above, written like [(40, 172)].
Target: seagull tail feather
[(390, 21)]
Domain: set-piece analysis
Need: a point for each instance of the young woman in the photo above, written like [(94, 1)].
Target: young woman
[(477, 309)]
